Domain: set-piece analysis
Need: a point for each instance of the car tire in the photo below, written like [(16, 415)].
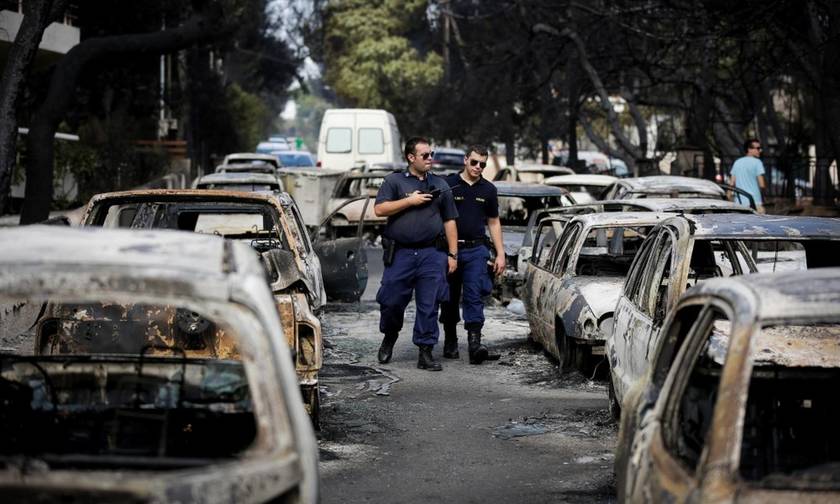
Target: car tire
[(567, 354), (312, 398)]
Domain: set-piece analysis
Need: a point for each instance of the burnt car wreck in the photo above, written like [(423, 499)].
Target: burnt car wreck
[(140, 357), (739, 401)]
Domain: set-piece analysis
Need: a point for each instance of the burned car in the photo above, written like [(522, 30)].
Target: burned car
[(246, 168), (347, 214), (544, 235), (170, 382), (532, 173), (517, 202), (252, 158), (245, 181), (571, 289), (739, 403), (271, 225), (585, 188), (664, 186), (689, 249)]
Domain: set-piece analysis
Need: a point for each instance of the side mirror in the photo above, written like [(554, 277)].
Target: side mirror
[(281, 267)]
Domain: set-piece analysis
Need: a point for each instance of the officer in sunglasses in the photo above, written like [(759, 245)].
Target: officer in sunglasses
[(420, 248), (478, 206)]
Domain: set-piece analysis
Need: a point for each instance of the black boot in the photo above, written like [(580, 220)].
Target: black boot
[(387, 348), (426, 361), (450, 343), (478, 352)]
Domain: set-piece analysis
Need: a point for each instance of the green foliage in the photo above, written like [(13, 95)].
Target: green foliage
[(370, 60), (249, 117)]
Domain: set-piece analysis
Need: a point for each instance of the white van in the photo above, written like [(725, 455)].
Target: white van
[(350, 138)]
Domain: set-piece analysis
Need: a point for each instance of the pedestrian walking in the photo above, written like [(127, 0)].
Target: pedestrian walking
[(478, 207), (419, 249), (748, 174)]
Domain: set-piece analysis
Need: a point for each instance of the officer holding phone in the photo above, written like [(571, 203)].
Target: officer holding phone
[(478, 206), (420, 248)]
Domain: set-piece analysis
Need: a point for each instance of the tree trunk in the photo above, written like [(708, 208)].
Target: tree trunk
[(824, 191), (39, 169), (37, 15)]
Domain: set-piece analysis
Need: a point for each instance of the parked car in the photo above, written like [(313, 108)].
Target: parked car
[(294, 158), (595, 162), (253, 167), (570, 290), (533, 173), (542, 236), (689, 249), (447, 158), (249, 181), (517, 201), (350, 138), (664, 186), (739, 403), (250, 158), (170, 381), (584, 188), (271, 225), (351, 186), (273, 147)]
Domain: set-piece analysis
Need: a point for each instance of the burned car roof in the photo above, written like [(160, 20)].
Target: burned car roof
[(238, 177), (542, 168), (794, 294), (620, 218), (189, 252), (581, 179), (525, 189), (762, 226), (671, 183), (183, 195)]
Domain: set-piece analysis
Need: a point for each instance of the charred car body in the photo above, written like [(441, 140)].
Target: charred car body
[(585, 188), (739, 403), (688, 249), (119, 402), (270, 224), (517, 202), (571, 289)]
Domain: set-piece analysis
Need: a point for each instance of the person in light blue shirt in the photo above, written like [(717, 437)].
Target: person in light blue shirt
[(748, 174)]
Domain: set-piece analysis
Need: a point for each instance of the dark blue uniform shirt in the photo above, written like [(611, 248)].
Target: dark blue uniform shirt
[(416, 224), (476, 203)]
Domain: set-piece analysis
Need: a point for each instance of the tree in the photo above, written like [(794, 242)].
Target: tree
[(37, 15)]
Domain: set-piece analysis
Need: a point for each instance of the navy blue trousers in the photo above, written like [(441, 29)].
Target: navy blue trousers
[(473, 281), (423, 272)]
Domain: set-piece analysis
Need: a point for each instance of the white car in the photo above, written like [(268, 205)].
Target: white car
[(584, 188)]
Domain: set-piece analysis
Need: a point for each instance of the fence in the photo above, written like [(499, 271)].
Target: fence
[(791, 178)]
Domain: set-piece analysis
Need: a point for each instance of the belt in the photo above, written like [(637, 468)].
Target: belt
[(472, 243), (418, 245)]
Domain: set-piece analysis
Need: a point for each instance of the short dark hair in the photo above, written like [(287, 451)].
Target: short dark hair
[(479, 149), (749, 143), (411, 145)]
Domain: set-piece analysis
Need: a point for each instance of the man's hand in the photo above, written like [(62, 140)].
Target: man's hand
[(499, 264), (453, 265), (418, 198)]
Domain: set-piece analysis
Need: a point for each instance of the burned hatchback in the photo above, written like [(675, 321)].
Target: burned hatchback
[(739, 403), (270, 224), (689, 249), (120, 369)]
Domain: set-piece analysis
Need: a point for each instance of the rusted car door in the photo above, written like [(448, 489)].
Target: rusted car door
[(343, 260), (634, 331), (537, 274), (547, 294)]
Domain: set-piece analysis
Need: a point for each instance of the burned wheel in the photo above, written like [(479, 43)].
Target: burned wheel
[(312, 402), (568, 352)]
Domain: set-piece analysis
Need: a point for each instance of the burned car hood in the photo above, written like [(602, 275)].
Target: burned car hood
[(600, 293)]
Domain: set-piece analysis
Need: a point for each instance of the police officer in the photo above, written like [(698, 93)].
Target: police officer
[(421, 228), (477, 202)]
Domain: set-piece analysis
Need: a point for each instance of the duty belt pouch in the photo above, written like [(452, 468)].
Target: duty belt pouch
[(389, 248), (441, 243)]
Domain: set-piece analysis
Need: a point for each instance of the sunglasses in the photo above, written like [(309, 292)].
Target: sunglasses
[(426, 155), (482, 164)]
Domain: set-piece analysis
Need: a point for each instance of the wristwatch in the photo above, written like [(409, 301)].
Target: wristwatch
[(453, 256)]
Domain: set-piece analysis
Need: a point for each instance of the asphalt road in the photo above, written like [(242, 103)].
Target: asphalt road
[(514, 430)]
